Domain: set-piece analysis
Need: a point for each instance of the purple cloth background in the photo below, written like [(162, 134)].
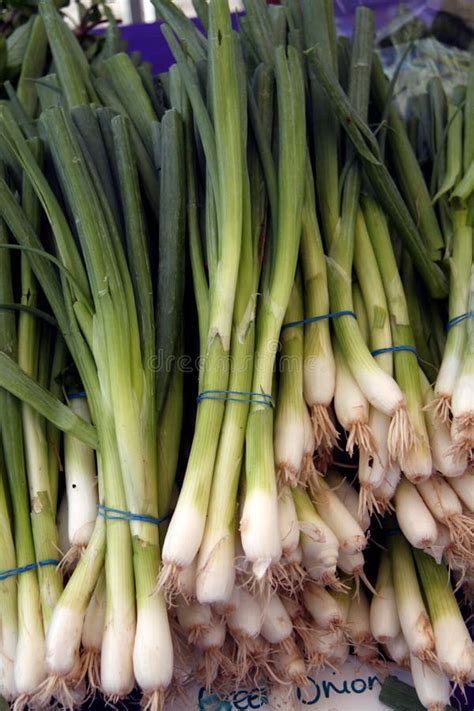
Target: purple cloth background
[(148, 39)]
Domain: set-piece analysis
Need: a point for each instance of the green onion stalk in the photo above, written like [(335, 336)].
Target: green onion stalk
[(372, 469), (259, 521), (81, 484), (122, 405), (215, 572), (414, 620), (53, 434), (92, 636), (420, 319), (350, 404), (384, 622), (462, 406), (368, 151), (289, 412), (75, 597), (22, 621), (319, 363), (454, 648), (449, 460), (222, 142), (110, 406), (319, 545), (43, 515), (8, 596), (379, 387), (319, 30), (406, 166), (415, 455), (460, 262)]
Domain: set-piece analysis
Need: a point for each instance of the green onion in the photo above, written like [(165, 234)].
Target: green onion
[(259, 522), (414, 620), (454, 648), (224, 151), (415, 455)]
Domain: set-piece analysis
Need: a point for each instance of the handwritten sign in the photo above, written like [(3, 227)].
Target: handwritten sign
[(355, 686)]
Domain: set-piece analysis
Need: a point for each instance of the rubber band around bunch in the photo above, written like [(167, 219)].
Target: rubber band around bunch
[(459, 319), (395, 349), (236, 396), (4, 574), (315, 319), (74, 395), (111, 514)]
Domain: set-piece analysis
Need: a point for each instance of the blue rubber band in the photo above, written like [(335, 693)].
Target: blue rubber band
[(71, 396), (459, 319), (111, 514), (244, 397), (25, 568), (395, 349), (314, 319), (392, 532)]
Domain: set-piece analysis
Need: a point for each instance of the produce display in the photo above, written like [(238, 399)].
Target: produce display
[(236, 362)]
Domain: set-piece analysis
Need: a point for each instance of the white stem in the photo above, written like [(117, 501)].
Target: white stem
[(322, 606), (289, 661), (372, 466), (259, 530), (215, 575), (153, 648), (359, 618), (213, 637), (415, 624), (295, 556), (184, 535), (397, 649), (385, 492), (288, 437), (350, 404), (8, 646), (193, 616), (116, 662), (440, 498), (246, 620), (288, 521), (445, 460), (414, 518), (276, 622), (81, 481), (29, 667), (464, 488), (63, 525), (94, 621), (454, 647), (431, 684), (384, 622), (442, 542), (186, 581), (350, 535), (351, 563), (346, 493)]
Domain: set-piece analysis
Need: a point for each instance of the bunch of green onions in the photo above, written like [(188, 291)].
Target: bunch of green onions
[(327, 390)]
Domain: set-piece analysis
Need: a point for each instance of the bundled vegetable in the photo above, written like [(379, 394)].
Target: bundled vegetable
[(237, 209)]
